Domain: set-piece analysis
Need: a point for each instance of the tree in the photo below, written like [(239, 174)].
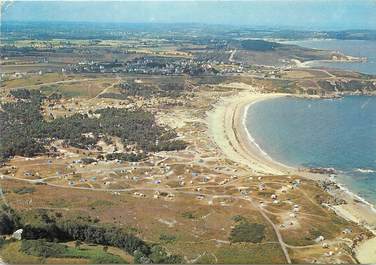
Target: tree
[(6, 224)]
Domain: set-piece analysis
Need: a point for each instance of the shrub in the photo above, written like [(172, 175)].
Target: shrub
[(188, 215), (158, 255), (42, 248), (239, 218), (2, 241), (88, 160), (247, 232), (23, 190), (167, 238)]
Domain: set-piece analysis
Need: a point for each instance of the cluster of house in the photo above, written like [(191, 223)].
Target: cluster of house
[(155, 65), (145, 65)]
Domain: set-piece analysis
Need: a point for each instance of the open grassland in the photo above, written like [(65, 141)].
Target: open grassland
[(90, 89)]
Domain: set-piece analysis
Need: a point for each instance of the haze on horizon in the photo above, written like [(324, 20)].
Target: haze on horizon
[(293, 14)]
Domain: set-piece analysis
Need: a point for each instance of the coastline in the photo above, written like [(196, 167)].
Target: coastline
[(224, 124), (316, 63), (227, 128), (244, 110)]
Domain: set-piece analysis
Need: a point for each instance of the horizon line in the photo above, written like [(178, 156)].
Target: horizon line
[(186, 23)]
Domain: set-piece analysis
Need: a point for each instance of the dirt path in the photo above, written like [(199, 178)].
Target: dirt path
[(231, 58), (275, 228), (63, 82), (106, 89)]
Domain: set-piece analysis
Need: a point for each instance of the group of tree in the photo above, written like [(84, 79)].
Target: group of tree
[(25, 132), (86, 232), (9, 221), (169, 88), (52, 229)]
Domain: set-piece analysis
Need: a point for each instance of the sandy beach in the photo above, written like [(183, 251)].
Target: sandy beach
[(226, 124), (226, 128)]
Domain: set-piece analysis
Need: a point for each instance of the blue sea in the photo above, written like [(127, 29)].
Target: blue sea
[(338, 133), (358, 48)]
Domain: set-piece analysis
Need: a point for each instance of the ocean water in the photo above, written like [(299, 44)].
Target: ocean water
[(358, 48), (337, 133)]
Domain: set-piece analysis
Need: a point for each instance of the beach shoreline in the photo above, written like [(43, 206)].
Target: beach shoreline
[(227, 128), (224, 123)]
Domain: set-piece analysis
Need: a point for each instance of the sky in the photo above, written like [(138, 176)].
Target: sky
[(293, 14)]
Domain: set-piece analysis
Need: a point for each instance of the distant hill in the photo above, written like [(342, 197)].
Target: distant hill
[(259, 45)]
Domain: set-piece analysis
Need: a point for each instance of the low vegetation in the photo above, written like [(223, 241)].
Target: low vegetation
[(246, 232), (42, 248), (167, 238), (166, 89), (45, 249), (23, 190)]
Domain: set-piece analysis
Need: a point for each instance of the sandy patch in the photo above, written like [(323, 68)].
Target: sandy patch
[(366, 252)]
